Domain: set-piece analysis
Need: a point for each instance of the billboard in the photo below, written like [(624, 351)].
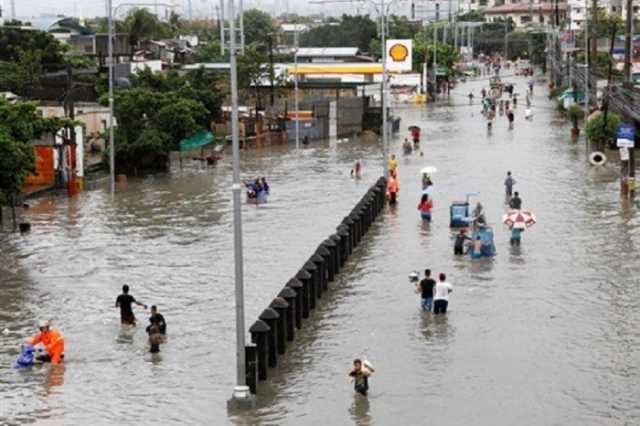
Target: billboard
[(399, 55)]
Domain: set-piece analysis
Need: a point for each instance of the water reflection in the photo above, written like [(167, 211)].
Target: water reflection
[(171, 237)]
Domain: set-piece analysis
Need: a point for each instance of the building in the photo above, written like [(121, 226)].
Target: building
[(525, 14), (61, 27), (331, 54), (577, 8)]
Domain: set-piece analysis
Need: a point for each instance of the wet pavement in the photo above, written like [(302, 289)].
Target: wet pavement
[(542, 334)]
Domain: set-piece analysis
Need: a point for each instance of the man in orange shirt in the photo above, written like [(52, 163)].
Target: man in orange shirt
[(52, 341)]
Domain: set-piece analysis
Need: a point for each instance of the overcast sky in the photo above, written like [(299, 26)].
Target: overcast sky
[(200, 8)]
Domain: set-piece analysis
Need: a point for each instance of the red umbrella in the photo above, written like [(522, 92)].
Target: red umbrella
[(519, 219)]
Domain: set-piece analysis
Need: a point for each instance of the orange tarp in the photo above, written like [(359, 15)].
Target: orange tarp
[(44, 167)]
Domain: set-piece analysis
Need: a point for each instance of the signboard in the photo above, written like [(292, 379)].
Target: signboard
[(626, 135), (624, 154), (399, 55), (197, 140)]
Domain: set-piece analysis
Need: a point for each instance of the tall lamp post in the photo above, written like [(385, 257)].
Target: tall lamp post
[(111, 12), (241, 397), (295, 82)]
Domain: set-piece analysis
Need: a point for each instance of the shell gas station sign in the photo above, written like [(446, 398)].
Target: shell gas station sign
[(399, 55)]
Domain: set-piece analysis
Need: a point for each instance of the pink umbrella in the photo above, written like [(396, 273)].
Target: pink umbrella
[(519, 219)]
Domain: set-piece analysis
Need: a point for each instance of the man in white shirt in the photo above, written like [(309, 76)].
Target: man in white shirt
[(441, 295)]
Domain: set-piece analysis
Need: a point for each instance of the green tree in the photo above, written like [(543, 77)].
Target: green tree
[(600, 134), (351, 31), (141, 25), (471, 16), (19, 125), (15, 42), (257, 26)]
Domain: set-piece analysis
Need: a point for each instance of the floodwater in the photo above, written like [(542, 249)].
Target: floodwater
[(544, 334)]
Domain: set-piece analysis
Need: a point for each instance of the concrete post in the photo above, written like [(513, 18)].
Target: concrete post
[(329, 270), (336, 239), (305, 278), (345, 240), (281, 307), (270, 316), (312, 269), (296, 286), (321, 264), (290, 295), (331, 244), (259, 335), (251, 357)]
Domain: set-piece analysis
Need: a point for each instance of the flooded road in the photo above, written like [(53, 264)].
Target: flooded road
[(544, 334)]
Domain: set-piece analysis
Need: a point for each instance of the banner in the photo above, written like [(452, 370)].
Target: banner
[(399, 55)]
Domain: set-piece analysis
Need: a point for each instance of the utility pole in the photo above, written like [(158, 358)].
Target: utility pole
[(295, 58), (628, 42), (435, 62), (587, 70), (506, 40), (594, 22), (112, 154), (271, 72), (241, 397), (13, 9), (385, 121), (222, 25)]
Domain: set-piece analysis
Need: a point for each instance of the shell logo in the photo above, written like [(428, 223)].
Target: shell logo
[(398, 52)]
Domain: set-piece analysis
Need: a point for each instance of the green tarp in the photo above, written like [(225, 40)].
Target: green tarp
[(197, 140)]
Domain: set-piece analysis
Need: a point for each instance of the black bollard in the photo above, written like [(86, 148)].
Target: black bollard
[(357, 225), (305, 278), (251, 361), (260, 336), (324, 251), (351, 228), (335, 251), (321, 264), (296, 286), (281, 306), (375, 191), (290, 295), (330, 245), (312, 269), (270, 316), (343, 233)]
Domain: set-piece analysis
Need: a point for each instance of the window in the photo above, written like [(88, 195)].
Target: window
[(541, 18), (525, 19), (614, 9), (578, 10), (636, 9)]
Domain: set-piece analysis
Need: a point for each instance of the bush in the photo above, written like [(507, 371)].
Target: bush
[(600, 134)]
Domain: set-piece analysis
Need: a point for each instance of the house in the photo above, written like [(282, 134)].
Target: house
[(331, 55), (523, 14)]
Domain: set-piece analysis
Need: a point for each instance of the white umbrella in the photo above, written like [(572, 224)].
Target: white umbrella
[(428, 170)]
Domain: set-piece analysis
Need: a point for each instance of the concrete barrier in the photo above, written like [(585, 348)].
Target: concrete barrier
[(277, 324)]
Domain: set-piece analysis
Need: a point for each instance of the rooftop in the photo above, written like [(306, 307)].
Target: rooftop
[(331, 52), (523, 7)]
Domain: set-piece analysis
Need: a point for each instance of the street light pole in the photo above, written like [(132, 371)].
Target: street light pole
[(586, 67), (112, 156), (385, 124), (241, 396), (295, 82), (111, 11)]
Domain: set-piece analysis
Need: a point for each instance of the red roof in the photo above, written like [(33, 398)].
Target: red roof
[(524, 8)]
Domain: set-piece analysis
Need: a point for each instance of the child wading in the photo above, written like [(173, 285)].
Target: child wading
[(360, 374)]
